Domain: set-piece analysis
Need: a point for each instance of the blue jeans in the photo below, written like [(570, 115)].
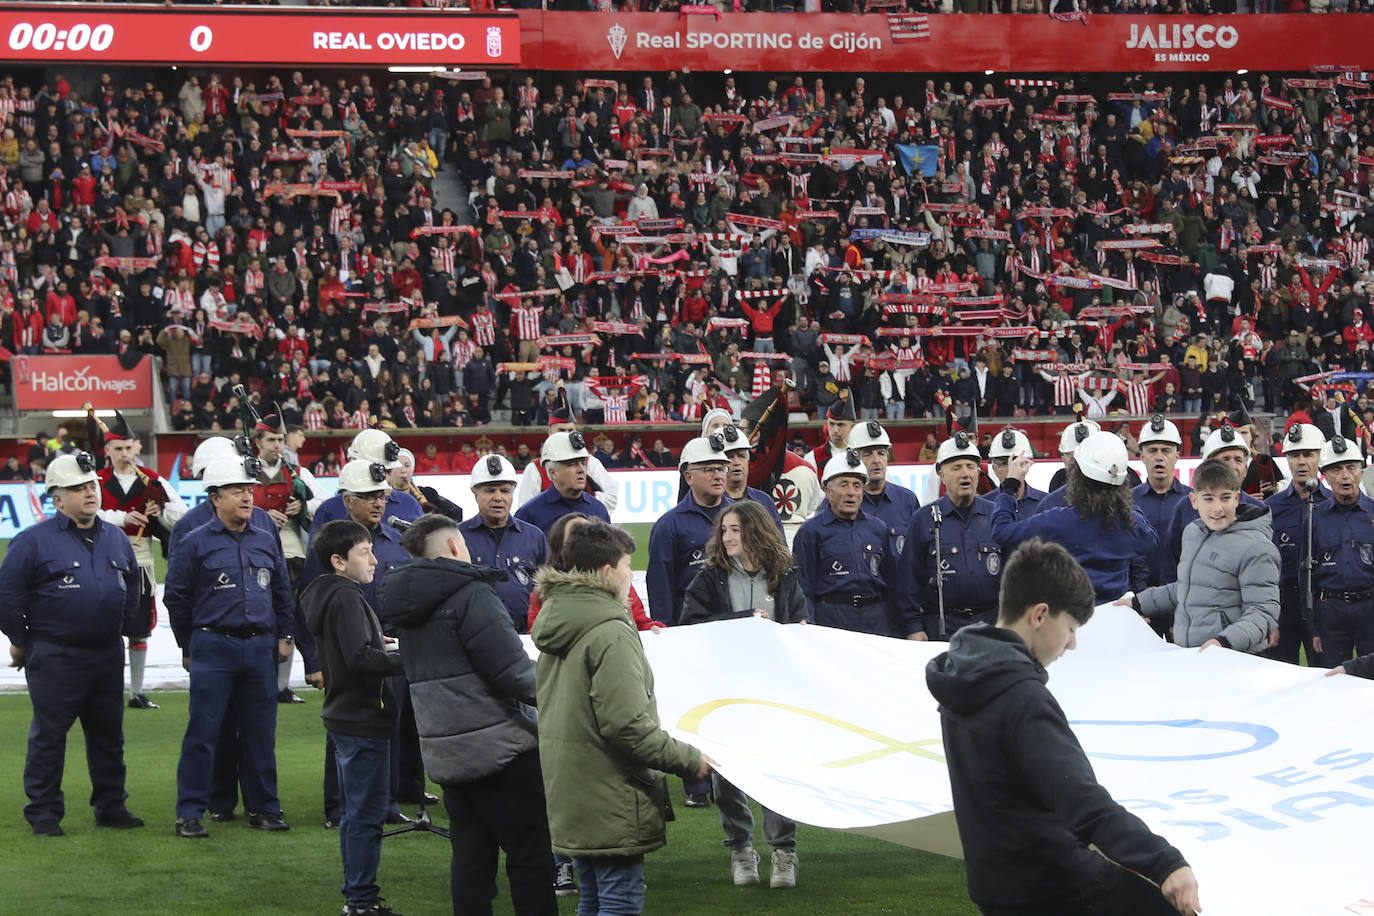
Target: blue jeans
[(365, 792), (224, 668), (179, 385), (438, 141), (201, 362), (610, 886)]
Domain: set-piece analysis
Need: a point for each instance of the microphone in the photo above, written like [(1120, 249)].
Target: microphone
[(936, 516), (397, 522), (1310, 484)]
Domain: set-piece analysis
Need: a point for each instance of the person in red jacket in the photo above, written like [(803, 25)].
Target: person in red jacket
[(41, 218), (60, 302), (762, 322), (1357, 331), (465, 460), (83, 188), (28, 326)]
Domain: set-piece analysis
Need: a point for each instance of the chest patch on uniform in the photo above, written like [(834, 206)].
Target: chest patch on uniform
[(1367, 554), (838, 569), (264, 578), (874, 562), (994, 563), (224, 582), (899, 543), (786, 499), (1283, 537), (69, 581)]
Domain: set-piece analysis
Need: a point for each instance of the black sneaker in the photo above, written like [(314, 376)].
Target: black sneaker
[(288, 695), (331, 824), (563, 885), (47, 828), (140, 701), (698, 800), (373, 909), (396, 817), (223, 817), (267, 821), (190, 828), (119, 820)]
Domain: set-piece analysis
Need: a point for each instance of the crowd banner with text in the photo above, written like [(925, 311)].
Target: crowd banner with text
[(254, 35), (824, 42), (57, 382), (619, 42), (1239, 761)]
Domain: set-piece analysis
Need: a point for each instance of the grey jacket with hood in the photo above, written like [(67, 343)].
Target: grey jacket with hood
[(469, 673), (1228, 584)]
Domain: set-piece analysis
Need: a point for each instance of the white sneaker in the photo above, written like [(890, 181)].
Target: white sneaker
[(744, 866), (784, 870)]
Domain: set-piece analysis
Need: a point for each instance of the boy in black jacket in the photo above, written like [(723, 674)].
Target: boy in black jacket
[(355, 665), (1025, 797)]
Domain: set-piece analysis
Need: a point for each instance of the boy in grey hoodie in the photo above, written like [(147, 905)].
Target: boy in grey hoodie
[(1227, 591)]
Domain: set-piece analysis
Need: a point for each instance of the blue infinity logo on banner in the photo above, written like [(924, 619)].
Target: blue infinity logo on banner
[(1261, 736)]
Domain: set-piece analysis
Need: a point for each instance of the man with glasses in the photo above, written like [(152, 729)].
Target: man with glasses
[(375, 447), (565, 458), (229, 599), (69, 588), (677, 545)]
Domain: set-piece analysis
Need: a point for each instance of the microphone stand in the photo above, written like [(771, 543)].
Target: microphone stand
[(420, 822), (937, 518), (1308, 614)]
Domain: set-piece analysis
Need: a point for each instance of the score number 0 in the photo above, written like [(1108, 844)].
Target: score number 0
[(201, 39)]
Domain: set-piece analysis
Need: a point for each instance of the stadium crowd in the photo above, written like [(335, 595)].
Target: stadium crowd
[(1011, 246)]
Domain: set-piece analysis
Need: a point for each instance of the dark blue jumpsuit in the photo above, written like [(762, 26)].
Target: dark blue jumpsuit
[(66, 601)]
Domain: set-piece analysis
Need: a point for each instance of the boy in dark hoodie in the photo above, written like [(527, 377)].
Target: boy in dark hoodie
[(1025, 798), (355, 665)]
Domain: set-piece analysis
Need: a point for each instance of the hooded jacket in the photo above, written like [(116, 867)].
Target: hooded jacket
[(708, 598), (1025, 797), (469, 673), (352, 656), (600, 743), (1227, 586)]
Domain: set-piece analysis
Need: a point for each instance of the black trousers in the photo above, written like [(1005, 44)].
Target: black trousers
[(503, 811), (226, 783), (1292, 630), (1119, 893), (68, 684)]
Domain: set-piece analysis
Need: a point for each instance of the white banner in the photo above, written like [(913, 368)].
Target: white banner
[(1261, 773)]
